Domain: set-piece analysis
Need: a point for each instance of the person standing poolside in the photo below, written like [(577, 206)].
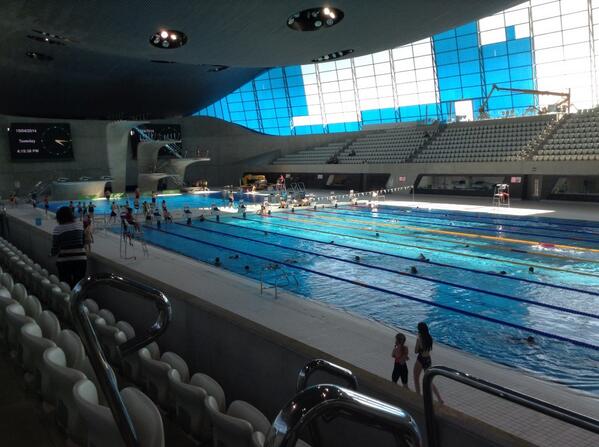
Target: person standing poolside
[(90, 211), (79, 210), (46, 204), (424, 346), (400, 354), (153, 198), (88, 236), (68, 245), (114, 210)]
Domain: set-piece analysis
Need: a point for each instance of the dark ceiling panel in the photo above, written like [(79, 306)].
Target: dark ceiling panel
[(104, 69)]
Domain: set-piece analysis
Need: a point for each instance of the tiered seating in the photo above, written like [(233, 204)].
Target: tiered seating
[(316, 155), (389, 146), (577, 138), (487, 141), (57, 368)]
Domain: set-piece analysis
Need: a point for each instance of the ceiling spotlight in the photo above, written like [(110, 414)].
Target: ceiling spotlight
[(39, 56), (217, 68), (332, 56), (168, 39), (314, 19)]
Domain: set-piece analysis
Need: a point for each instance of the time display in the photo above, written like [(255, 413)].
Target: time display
[(40, 141)]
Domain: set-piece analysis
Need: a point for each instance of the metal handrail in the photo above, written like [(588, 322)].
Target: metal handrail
[(324, 365), (106, 377), (516, 397), (320, 399)]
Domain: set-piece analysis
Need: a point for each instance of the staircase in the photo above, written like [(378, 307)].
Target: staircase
[(537, 143), (434, 134)]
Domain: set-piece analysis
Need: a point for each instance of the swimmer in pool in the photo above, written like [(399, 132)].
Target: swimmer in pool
[(217, 261), (531, 269), (234, 257), (413, 270), (423, 258)]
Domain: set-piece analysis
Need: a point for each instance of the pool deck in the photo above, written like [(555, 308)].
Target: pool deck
[(367, 344)]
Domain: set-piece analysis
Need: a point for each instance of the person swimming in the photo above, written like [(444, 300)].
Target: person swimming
[(234, 256), (217, 262), (531, 269), (413, 270), (423, 258)]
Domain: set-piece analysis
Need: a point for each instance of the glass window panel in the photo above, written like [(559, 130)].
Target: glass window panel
[(577, 51), (308, 69), (422, 49), (329, 87), (385, 91), (423, 61), (425, 74), (366, 82), (329, 98), (573, 36), (546, 26), (383, 80), (515, 17), (386, 101), (491, 23), (469, 68), (542, 11), (575, 20), (522, 31), (347, 96), (380, 69), (548, 40), (326, 66), (405, 76), (311, 89), (381, 56), (343, 64), (345, 73), (404, 52), (493, 36), (366, 70), (406, 89), (328, 76), (363, 60), (404, 65), (467, 54), (346, 85), (368, 104), (368, 93), (427, 86), (312, 100), (445, 45), (573, 6), (309, 79)]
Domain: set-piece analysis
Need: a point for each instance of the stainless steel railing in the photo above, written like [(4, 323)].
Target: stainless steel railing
[(103, 370), (320, 399), (324, 365), (524, 400)]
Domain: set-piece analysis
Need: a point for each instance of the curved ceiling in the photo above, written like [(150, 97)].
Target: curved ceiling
[(104, 66)]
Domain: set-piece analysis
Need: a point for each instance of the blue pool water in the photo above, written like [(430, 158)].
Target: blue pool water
[(460, 292), (203, 200)]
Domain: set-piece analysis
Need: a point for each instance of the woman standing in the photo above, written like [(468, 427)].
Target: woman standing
[(424, 346), (68, 244)]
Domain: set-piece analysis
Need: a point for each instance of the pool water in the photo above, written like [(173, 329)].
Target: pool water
[(173, 201), (475, 291)]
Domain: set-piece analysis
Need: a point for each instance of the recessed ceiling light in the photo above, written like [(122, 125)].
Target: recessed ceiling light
[(45, 40), (332, 56), (39, 56), (168, 39), (217, 68), (314, 19)]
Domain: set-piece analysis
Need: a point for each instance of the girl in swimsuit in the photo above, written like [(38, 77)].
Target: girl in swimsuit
[(424, 346)]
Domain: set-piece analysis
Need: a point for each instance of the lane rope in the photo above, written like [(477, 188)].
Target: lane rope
[(390, 292), (385, 269)]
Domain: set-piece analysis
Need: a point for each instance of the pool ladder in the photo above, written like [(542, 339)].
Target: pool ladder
[(282, 278)]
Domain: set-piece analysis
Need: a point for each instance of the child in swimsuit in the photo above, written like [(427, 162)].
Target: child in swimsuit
[(400, 354)]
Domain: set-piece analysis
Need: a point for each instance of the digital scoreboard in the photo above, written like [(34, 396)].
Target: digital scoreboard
[(40, 141)]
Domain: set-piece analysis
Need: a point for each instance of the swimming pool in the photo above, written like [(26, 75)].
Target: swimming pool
[(475, 292), (173, 201)]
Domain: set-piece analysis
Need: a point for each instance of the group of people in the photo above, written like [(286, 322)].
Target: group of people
[(422, 349)]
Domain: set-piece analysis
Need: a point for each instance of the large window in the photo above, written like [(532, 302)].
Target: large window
[(548, 45)]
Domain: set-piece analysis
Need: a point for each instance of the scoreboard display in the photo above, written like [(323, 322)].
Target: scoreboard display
[(40, 141)]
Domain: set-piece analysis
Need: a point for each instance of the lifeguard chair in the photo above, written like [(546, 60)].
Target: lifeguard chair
[(501, 195)]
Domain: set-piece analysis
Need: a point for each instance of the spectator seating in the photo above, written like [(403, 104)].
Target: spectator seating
[(576, 138), (484, 141), (316, 155)]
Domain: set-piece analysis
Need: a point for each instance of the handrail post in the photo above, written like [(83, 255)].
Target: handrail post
[(105, 374), (320, 399), (532, 403), (324, 365)]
